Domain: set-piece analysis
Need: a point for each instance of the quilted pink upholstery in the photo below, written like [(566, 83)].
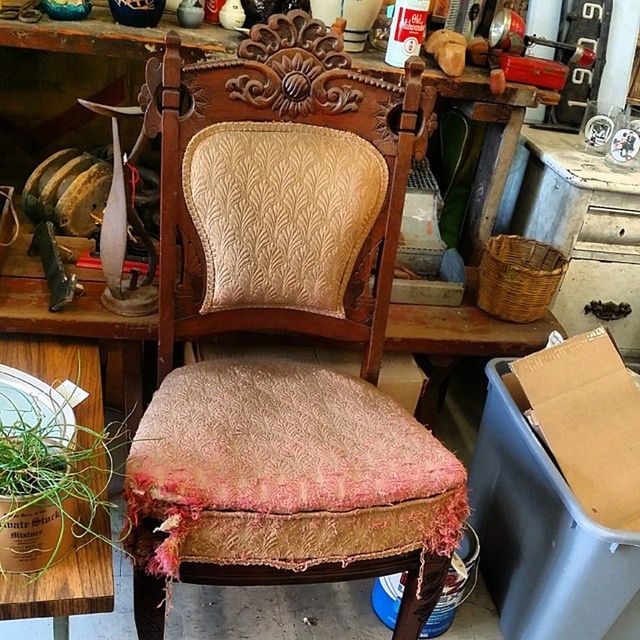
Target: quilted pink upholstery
[(288, 465)]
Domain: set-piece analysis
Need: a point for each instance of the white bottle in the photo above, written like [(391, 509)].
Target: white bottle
[(232, 15), (407, 31)]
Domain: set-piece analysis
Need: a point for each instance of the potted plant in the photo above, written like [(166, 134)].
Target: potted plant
[(48, 502)]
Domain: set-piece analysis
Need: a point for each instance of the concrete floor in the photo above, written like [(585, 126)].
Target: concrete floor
[(336, 611)]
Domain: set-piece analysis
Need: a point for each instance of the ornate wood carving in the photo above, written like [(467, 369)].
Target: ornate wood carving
[(294, 62), (147, 98), (358, 303), (197, 96), (386, 137), (429, 122)]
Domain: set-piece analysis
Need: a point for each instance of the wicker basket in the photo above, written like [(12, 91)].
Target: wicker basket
[(518, 278)]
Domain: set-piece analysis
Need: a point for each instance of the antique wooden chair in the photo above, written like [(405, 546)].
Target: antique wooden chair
[(283, 183)]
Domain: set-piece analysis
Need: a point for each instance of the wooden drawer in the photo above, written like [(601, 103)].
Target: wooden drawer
[(588, 280), (610, 234)]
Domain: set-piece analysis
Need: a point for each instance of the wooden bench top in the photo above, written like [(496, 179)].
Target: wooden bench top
[(453, 331), (83, 581), (100, 35)]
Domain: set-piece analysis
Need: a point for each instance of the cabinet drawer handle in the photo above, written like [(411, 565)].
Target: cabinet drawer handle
[(608, 311)]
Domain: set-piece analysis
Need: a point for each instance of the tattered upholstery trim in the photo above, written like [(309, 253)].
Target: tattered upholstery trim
[(191, 533)]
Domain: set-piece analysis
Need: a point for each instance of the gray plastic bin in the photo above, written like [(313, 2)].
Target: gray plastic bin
[(553, 572)]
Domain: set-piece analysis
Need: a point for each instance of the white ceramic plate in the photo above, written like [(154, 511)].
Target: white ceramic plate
[(23, 397)]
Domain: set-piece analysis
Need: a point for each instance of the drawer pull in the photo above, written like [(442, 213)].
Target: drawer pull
[(608, 311)]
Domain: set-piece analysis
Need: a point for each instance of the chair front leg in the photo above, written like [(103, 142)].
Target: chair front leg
[(149, 596), (416, 607)]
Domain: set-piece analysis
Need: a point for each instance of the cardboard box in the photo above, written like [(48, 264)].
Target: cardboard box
[(400, 377), (585, 407)]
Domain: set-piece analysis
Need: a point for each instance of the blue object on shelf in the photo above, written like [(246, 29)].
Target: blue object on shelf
[(452, 267), (59, 11)]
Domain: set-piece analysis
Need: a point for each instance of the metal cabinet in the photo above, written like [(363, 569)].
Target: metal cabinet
[(591, 211)]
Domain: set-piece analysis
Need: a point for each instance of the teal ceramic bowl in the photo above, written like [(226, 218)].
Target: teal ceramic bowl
[(63, 11)]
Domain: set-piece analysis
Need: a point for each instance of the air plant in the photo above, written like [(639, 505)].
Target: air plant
[(38, 466)]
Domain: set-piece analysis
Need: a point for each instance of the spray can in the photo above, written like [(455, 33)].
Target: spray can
[(407, 31)]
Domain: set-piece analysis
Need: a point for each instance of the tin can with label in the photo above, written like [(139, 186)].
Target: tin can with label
[(407, 31), (212, 11)]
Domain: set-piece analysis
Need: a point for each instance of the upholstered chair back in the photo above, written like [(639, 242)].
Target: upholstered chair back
[(284, 174), (282, 211)]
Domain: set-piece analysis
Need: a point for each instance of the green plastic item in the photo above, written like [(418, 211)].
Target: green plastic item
[(459, 145)]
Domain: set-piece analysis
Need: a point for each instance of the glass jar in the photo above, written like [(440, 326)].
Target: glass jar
[(624, 147), (379, 34)]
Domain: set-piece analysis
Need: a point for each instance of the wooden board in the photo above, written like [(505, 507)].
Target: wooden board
[(99, 35), (455, 331), (24, 308), (83, 581), (461, 331), (465, 330), (494, 166), (427, 292)]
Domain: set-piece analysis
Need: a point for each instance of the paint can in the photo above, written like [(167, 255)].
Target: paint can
[(39, 534), (460, 583), (407, 31)]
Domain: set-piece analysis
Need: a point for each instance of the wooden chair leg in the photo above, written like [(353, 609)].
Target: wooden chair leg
[(149, 605), (416, 607)]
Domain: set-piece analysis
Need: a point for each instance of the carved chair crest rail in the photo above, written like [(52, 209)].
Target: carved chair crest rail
[(292, 70)]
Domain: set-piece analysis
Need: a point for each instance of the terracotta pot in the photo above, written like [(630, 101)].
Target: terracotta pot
[(28, 539), (359, 14)]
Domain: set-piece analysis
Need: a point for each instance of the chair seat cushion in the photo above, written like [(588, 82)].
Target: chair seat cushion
[(287, 465)]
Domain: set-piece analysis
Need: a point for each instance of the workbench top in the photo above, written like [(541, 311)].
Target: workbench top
[(560, 152), (99, 35)]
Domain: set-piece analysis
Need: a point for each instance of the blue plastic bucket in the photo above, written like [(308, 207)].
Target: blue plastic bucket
[(387, 590)]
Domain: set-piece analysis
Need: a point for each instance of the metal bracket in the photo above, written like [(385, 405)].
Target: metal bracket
[(62, 287), (61, 628), (608, 311)]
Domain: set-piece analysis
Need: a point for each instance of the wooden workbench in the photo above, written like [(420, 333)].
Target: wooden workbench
[(444, 331), (99, 35), (445, 334), (83, 581)]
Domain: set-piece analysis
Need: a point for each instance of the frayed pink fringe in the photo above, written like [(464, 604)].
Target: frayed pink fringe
[(165, 561), (442, 539)]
